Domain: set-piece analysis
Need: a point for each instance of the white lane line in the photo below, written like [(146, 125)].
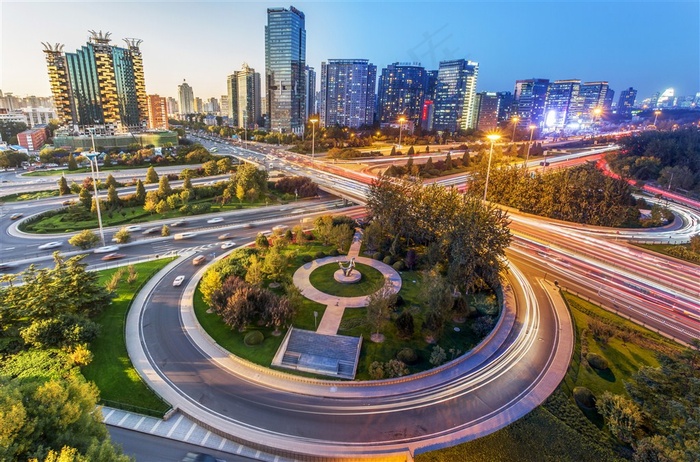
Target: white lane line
[(179, 419), (206, 438), (155, 427), (189, 433), (138, 424)]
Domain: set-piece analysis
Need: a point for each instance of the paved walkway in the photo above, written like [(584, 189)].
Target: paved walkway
[(335, 306)]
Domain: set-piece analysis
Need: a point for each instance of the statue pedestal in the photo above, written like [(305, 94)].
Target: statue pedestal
[(354, 277)]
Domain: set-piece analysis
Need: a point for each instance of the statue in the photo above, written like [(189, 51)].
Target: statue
[(347, 270)]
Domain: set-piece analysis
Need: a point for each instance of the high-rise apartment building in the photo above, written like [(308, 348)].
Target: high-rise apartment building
[(157, 112), (100, 84), (626, 101), (505, 104), (310, 77), (594, 95), (224, 105), (285, 62), (401, 93), (347, 92), (529, 97), (563, 104), (186, 98), (198, 105), (455, 95), (173, 107), (488, 105), (244, 97)]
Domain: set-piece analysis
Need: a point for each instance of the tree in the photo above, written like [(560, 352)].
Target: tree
[(164, 189), (275, 263), (63, 188), (85, 198), (113, 197), (393, 151), (151, 201), (140, 194), (224, 165), (261, 242), (254, 275), (448, 161), (165, 231), (695, 243), (151, 175), (72, 163), (187, 184), (107, 162), (84, 239), (122, 236), (621, 414), (405, 325), (341, 236), (210, 168), (110, 181), (411, 151), (466, 158), (162, 207), (379, 306), (323, 228), (9, 158)]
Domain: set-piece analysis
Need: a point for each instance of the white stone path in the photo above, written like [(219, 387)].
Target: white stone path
[(335, 306)]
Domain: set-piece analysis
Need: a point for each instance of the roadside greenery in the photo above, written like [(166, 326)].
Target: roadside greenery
[(688, 252)]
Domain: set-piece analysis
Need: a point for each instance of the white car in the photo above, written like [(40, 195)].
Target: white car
[(215, 220), (180, 236), (228, 245), (178, 281), (50, 245), (106, 249), (133, 228)]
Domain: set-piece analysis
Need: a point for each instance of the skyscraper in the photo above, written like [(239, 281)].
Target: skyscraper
[(186, 98), (455, 95), (401, 92), (594, 95), (173, 107), (157, 112), (626, 101), (244, 99), (528, 101), (488, 105), (562, 104), (310, 77), (347, 92), (505, 104), (285, 62), (100, 84)]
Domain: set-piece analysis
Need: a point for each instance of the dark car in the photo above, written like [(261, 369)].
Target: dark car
[(544, 164), (113, 256), (199, 457)]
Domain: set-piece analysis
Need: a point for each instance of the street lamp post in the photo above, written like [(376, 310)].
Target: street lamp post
[(492, 137), (529, 146), (402, 119), (656, 116), (313, 121), (92, 157), (516, 119)]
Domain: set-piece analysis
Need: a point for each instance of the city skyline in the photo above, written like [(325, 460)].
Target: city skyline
[(649, 46)]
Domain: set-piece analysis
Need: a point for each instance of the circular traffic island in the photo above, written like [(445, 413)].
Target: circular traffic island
[(363, 280)]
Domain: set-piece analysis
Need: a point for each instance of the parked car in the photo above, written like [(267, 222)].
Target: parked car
[(113, 256), (215, 220), (178, 281), (196, 261), (106, 249), (228, 245), (15, 216), (50, 245)]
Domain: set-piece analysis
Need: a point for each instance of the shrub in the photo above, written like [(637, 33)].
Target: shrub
[(438, 356), (306, 258), (399, 266), (388, 260), (320, 254), (377, 255), (597, 362), (253, 338), (405, 325), (334, 253), (584, 397), (376, 370), (407, 355)]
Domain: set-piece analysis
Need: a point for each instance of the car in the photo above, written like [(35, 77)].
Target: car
[(280, 228), (66, 203), (50, 245), (247, 225), (155, 229), (113, 256), (178, 281), (177, 223), (199, 457), (15, 216), (215, 220), (6, 266), (133, 228), (196, 261), (181, 236), (544, 164), (106, 249), (224, 236), (228, 245)]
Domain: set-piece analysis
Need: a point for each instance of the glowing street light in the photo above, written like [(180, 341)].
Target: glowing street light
[(493, 137), (515, 119), (314, 121), (596, 115), (656, 116), (527, 156), (402, 119)]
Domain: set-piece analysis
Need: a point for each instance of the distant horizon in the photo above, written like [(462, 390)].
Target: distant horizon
[(650, 46)]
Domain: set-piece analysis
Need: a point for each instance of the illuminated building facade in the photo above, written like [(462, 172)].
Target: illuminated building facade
[(488, 106), (529, 98), (455, 95), (244, 97), (347, 92), (401, 93), (626, 101), (99, 85), (562, 104)]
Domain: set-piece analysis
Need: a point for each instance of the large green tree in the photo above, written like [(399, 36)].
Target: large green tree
[(151, 175)]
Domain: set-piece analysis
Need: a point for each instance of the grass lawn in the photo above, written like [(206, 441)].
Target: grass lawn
[(559, 430), (680, 251), (17, 197), (322, 279), (119, 383)]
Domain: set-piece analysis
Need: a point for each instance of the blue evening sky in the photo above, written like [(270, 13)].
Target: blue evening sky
[(650, 45)]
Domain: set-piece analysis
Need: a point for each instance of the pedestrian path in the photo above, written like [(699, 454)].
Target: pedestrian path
[(179, 428)]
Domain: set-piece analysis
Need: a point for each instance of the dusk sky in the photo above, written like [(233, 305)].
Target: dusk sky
[(648, 45)]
